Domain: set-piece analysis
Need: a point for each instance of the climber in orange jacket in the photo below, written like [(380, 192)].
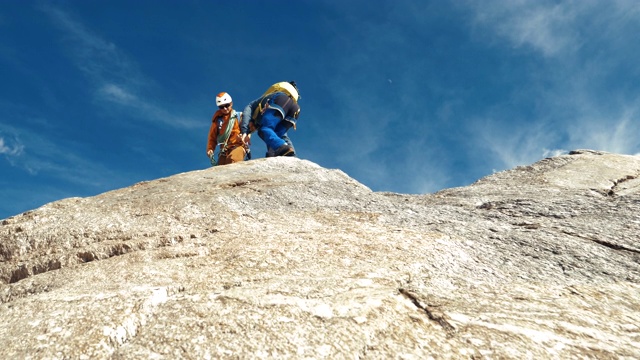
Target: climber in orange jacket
[(225, 132)]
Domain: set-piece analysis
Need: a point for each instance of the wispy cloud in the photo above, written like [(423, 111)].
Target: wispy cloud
[(505, 144), (547, 27), (512, 142), (554, 28), (10, 147), (116, 78), (617, 134), (35, 153), (119, 95), (122, 96), (560, 92), (580, 87)]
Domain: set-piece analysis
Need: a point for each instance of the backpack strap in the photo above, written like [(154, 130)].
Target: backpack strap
[(267, 102)]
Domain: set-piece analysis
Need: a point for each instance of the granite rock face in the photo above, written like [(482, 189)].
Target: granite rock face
[(281, 258)]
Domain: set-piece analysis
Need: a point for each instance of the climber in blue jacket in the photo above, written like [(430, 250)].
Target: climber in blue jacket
[(272, 115)]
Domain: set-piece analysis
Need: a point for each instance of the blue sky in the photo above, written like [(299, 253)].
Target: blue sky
[(409, 96)]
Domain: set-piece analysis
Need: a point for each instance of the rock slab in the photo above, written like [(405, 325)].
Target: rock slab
[(281, 258)]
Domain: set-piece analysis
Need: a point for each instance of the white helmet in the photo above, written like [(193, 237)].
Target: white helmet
[(223, 98)]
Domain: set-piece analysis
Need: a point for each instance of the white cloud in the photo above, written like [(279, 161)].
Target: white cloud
[(509, 145), (117, 94), (11, 148), (515, 145), (544, 26), (553, 152), (96, 57), (115, 76), (548, 29), (553, 28), (46, 156), (617, 135), (581, 90)]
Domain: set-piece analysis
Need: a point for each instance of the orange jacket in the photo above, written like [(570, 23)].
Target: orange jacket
[(219, 124)]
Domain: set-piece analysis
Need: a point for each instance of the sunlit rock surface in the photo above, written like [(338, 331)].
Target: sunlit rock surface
[(281, 258)]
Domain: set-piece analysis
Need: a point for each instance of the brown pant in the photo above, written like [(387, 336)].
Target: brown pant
[(233, 156)]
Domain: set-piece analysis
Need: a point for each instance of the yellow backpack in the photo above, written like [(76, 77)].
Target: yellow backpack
[(266, 101), (284, 87)]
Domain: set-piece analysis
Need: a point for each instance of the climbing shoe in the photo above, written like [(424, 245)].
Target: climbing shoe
[(285, 150)]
